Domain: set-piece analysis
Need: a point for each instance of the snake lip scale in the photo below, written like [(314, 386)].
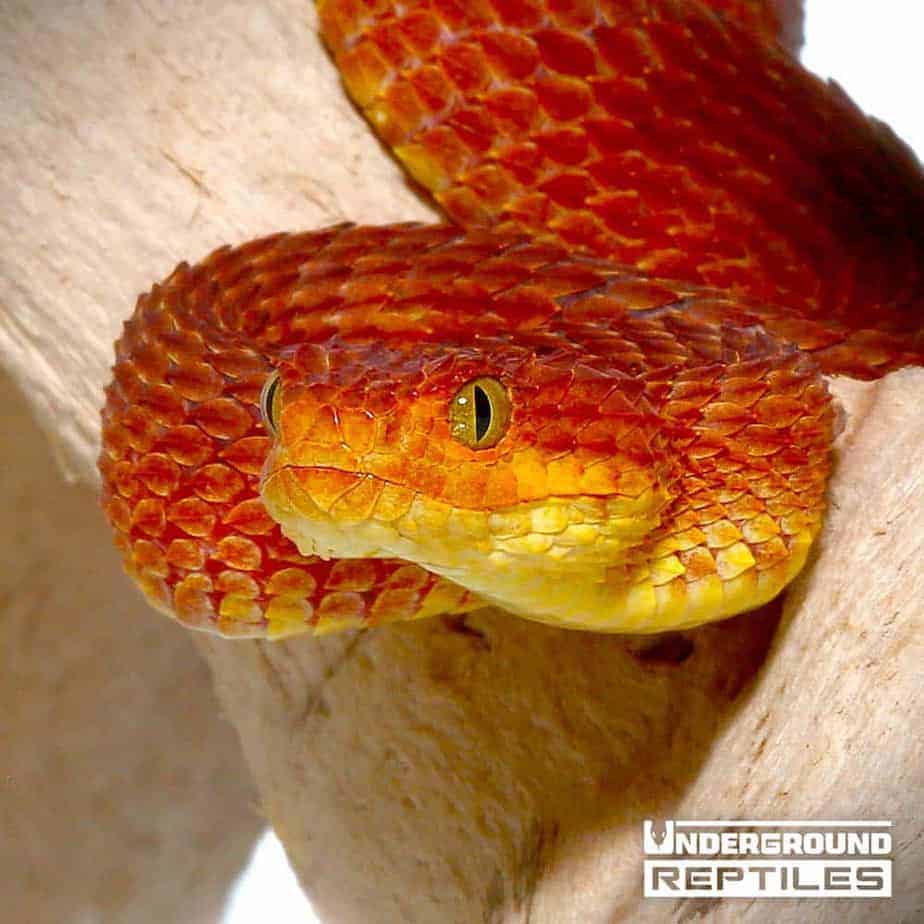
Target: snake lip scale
[(595, 396)]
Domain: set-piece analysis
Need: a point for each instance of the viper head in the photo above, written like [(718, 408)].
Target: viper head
[(510, 467)]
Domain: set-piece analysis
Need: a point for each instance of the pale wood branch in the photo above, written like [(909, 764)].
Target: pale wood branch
[(123, 793)]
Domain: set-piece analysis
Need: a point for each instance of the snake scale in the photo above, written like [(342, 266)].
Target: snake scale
[(595, 397)]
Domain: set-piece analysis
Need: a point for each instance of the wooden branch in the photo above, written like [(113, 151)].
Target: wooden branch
[(123, 793), (484, 769)]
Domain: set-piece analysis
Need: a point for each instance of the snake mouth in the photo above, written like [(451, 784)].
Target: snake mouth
[(567, 560), (339, 514)]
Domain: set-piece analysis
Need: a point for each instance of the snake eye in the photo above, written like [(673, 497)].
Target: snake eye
[(479, 413), (267, 403)]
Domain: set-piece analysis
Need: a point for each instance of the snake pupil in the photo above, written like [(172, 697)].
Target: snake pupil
[(482, 412), (479, 413)]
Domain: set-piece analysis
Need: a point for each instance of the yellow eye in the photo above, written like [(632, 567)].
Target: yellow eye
[(268, 403), (479, 413)]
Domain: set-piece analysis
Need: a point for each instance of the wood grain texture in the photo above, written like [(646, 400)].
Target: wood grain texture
[(123, 793), (447, 771)]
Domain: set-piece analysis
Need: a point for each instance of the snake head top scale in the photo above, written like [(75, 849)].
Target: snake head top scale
[(359, 425)]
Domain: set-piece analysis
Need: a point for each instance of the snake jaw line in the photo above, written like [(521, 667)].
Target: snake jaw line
[(535, 561)]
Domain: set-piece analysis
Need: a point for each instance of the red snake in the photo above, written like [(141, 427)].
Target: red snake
[(597, 398)]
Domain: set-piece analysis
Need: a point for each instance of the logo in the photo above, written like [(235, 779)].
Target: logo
[(767, 859), (659, 842)]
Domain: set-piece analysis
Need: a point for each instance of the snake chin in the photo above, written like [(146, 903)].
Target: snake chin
[(576, 561)]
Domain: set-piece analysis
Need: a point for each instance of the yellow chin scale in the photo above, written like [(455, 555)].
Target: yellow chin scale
[(602, 564)]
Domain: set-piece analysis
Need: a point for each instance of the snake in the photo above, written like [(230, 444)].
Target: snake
[(594, 395)]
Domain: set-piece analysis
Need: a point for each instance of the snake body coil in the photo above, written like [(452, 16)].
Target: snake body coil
[(527, 407)]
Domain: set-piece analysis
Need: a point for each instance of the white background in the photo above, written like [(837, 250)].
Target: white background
[(875, 50)]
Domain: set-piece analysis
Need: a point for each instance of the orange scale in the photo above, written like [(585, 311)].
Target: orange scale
[(187, 445), (625, 49), (217, 483), (247, 455), (466, 486), (358, 427), (149, 557), (704, 450), (278, 548), (250, 517), (581, 230), (192, 601), (159, 473), (224, 418), (122, 477), (698, 562), (670, 263), (291, 582), (467, 65), (341, 605), (162, 404), (393, 605), (435, 90), (237, 583), (420, 31), (762, 441), (127, 387), (357, 503), (197, 381), (744, 506), (800, 521), (570, 189), (186, 554), (519, 14), (516, 108), (193, 516), (149, 517), (707, 513), (138, 430), (784, 504), (524, 306), (365, 70), (491, 183), (325, 486), (789, 462), (745, 391), (408, 577), (239, 553), (459, 16), (463, 206), (390, 43), (150, 362), (501, 489), (574, 14), (119, 513), (779, 411), (566, 52), (248, 390), (510, 54), (720, 534), (352, 575), (424, 478), (556, 436), (156, 590)]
